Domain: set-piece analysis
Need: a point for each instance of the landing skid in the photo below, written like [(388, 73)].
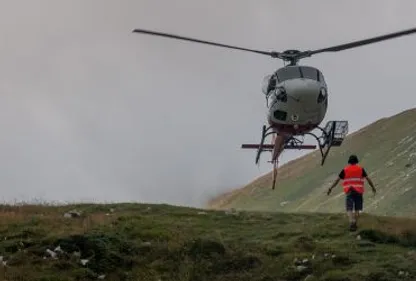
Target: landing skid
[(333, 134)]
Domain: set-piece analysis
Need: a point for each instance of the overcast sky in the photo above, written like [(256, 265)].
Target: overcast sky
[(90, 111)]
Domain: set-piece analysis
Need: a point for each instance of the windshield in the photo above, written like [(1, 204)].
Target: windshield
[(293, 72)]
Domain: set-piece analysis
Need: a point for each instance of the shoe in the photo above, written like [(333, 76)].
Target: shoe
[(353, 226)]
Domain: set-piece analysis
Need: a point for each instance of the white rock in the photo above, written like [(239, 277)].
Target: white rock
[(51, 253), (77, 254), (58, 249), (301, 268)]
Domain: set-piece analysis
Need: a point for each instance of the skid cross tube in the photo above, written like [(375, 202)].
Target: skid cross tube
[(325, 140)]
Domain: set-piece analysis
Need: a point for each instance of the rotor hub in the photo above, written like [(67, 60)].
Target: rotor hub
[(291, 52), (292, 56)]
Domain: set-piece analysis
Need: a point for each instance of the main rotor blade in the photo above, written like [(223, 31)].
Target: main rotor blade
[(363, 42), (272, 54)]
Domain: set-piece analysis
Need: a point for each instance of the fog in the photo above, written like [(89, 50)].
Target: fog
[(92, 112)]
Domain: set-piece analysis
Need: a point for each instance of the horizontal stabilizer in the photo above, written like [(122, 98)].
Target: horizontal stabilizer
[(270, 146)]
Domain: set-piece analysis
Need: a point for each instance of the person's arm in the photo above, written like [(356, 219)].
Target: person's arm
[(333, 185), (370, 182), (340, 177)]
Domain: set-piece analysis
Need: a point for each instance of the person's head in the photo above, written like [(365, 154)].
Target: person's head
[(353, 159)]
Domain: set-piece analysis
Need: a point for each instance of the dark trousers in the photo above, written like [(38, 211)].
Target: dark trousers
[(353, 200)]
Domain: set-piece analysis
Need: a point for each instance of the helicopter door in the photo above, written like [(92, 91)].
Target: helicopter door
[(269, 84)]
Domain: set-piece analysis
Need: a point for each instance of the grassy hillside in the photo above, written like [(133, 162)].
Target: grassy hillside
[(160, 242), (386, 148)]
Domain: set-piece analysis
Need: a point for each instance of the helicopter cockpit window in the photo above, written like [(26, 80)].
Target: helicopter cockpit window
[(309, 73), (294, 72), (288, 73), (322, 96), (321, 78)]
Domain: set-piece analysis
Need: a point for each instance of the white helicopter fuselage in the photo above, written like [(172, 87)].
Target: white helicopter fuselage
[(297, 99)]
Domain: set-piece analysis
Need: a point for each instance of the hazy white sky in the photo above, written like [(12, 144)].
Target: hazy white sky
[(90, 111)]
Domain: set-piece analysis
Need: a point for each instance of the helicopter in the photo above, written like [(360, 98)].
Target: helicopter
[(296, 99)]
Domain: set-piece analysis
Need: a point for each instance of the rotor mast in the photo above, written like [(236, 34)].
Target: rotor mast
[(291, 56)]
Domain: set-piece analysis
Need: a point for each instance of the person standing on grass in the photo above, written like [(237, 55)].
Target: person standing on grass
[(353, 176)]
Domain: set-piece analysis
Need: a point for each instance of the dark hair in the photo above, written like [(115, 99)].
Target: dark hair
[(353, 159)]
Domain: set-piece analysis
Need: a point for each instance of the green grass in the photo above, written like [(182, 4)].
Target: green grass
[(162, 242), (386, 148)]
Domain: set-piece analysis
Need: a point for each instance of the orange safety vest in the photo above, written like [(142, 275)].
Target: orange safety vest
[(353, 178)]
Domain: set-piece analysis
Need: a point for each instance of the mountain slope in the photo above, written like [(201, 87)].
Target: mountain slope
[(386, 148)]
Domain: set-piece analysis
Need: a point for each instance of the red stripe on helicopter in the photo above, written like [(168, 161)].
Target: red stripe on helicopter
[(292, 129)]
